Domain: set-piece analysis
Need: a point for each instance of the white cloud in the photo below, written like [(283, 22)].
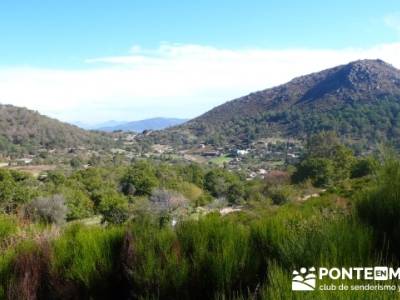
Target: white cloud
[(173, 80)]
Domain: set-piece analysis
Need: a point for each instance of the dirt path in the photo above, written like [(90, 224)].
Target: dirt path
[(313, 195)]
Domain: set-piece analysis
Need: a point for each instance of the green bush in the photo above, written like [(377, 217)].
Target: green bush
[(8, 227), (88, 256), (320, 171), (114, 208), (280, 194), (379, 204), (78, 202), (363, 167), (141, 177)]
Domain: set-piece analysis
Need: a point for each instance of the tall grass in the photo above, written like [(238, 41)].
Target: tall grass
[(8, 227), (219, 256), (379, 205), (213, 258), (87, 257)]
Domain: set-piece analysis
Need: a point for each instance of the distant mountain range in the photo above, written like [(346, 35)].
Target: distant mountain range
[(137, 126), (96, 126), (360, 101)]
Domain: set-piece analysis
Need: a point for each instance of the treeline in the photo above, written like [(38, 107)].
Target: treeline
[(118, 192)]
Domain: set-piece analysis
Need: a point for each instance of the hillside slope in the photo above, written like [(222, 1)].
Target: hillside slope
[(24, 130), (360, 100)]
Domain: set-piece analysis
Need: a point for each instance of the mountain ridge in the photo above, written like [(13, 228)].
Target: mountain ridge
[(23, 130), (156, 123), (362, 89)]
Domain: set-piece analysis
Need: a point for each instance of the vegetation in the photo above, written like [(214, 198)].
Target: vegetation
[(26, 132), (359, 101), (158, 229)]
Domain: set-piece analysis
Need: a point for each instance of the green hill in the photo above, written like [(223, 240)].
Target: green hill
[(23, 130), (360, 101)]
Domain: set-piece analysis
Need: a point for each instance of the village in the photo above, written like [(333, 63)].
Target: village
[(256, 160)]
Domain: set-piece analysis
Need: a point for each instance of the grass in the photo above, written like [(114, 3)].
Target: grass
[(8, 227), (214, 257), (87, 256), (220, 160)]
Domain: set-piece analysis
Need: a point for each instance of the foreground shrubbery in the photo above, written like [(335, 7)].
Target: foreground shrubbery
[(379, 204), (139, 253), (214, 257)]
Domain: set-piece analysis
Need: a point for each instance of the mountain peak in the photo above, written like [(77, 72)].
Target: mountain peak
[(371, 68), (358, 99), (354, 81)]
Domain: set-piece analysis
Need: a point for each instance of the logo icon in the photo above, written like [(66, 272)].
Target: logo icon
[(381, 273), (304, 280)]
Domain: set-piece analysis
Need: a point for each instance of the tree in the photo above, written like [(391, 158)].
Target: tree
[(235, 193), (363, 167), (321, 171), (165, 203), (75, 162), (78, 202), (114, 208), (15, 189), (142, 177), (215, 182), (326, 160), (194, 174)]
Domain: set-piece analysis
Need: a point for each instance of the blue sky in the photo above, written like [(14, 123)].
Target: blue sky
[(138, 59)]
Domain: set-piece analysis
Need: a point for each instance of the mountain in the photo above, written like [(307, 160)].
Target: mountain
[(359, 100), (96, 126), (23, 130), (147, 124)]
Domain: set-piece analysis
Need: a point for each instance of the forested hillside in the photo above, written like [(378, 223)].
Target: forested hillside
[(23, 130), (360, 101)]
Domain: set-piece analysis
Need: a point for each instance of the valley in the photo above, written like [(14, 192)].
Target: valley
[(224, 206)]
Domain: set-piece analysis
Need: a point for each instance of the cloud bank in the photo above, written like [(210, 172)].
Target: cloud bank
[(175, 80)]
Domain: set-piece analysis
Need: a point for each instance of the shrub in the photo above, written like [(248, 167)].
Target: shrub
[(363, 167), (47, 209), (235, 193), (277, 177), (320, 170), (166, 204), (216, 182), (141, 177), (165, 201), (79, 204), (281, 195), (114, 208), (379, 205), (87, 257), (190, 191)]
